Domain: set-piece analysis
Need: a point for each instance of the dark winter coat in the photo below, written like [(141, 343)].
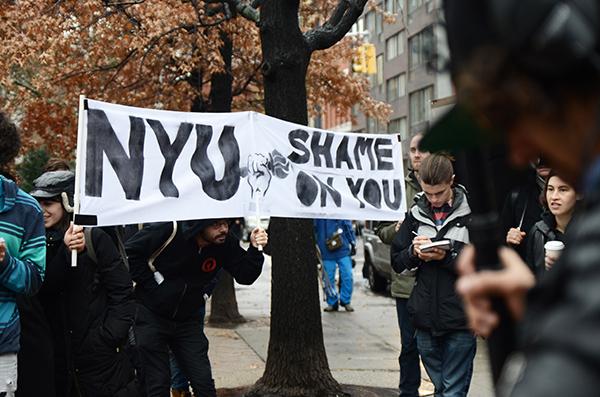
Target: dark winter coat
[(89, 309), (434, 305), (542, 232), (522, 202), (185, 268)]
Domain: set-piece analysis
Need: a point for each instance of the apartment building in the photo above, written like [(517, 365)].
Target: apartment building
[(409, 54)]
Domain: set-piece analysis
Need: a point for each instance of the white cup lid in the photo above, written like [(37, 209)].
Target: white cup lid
[(554, 245)]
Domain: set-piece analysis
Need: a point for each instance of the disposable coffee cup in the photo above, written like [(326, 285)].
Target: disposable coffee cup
[(554, 249)]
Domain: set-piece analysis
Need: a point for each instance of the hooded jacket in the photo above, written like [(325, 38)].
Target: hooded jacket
[(22, 270), (434, 305), (186, 269), (325, 229)]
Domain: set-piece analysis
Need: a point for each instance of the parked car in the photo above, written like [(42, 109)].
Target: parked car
[(377, 268)]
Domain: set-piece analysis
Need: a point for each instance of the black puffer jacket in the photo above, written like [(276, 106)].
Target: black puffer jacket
[(186, 269), (434, 304)]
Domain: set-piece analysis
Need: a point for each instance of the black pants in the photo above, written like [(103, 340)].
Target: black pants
[(155, 335)]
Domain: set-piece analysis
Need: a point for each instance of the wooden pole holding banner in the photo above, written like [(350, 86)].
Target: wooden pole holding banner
[(260, 247), (76, 195)]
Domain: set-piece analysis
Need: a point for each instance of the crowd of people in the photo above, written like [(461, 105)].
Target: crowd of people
[(78, 327)]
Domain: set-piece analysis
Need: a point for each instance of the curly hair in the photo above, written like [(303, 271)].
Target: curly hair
[(10, 141)]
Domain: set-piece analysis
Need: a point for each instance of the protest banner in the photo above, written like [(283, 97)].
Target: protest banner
[(144, 165)]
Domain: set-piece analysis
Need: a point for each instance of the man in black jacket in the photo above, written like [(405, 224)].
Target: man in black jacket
[(171, 264), (531, 70)]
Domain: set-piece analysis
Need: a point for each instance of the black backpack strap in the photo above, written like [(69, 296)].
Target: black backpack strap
[(121, 245)]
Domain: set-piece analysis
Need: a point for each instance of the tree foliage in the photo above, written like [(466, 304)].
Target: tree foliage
[(147, 53)]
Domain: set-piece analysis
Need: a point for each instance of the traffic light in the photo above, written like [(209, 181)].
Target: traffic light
[(365, 59), (370, 56), (359, 63)]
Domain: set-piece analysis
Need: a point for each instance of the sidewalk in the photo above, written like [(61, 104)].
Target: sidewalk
[(362, 347)]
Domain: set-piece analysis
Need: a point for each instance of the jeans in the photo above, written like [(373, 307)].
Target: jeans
[(410, 369), (178, 379), (186, 339), (345, 265), (448, 360)]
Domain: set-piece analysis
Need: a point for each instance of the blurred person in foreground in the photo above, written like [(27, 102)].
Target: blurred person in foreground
[(530, 70)]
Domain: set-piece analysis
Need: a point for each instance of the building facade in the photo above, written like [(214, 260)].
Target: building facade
[(409, 73)]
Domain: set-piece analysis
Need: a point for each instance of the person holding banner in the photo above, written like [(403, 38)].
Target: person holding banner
[(89, 307), (337, 243), (172, 263), (22, 256)]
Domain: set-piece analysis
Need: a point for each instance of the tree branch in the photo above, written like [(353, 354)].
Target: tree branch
[(246, 83), (248, 11), (343, 17)]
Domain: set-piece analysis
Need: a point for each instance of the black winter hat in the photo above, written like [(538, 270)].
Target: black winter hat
[(192, 228), (53, 184)]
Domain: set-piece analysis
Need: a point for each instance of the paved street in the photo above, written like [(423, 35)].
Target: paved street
[(362, 347)]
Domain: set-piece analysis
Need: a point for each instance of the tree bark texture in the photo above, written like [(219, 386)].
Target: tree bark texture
[(296, 363)]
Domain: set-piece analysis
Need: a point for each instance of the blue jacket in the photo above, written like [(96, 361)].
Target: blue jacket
[(22, 270), (325, 228)]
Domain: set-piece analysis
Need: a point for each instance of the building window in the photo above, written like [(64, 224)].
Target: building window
[(399, 6), (378, 23), (390, 6), (413, 5), (371, 125), (370, 21), (394, 46), (420, 48), (398, 126), (420, 106), (395, 87), (379, 61)]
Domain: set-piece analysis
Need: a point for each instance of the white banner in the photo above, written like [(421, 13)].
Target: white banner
[(143, 165)]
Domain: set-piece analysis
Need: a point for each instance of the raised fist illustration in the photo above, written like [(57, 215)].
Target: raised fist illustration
[(259, 174)]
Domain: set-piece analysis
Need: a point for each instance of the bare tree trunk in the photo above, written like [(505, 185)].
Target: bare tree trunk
[(296, 363)]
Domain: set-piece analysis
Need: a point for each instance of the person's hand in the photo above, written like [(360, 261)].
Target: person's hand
[(2, 249), (515, 236), (397, 227), (477, 288), (259, 237), (549, 261), (74, 238), (434, 254)]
